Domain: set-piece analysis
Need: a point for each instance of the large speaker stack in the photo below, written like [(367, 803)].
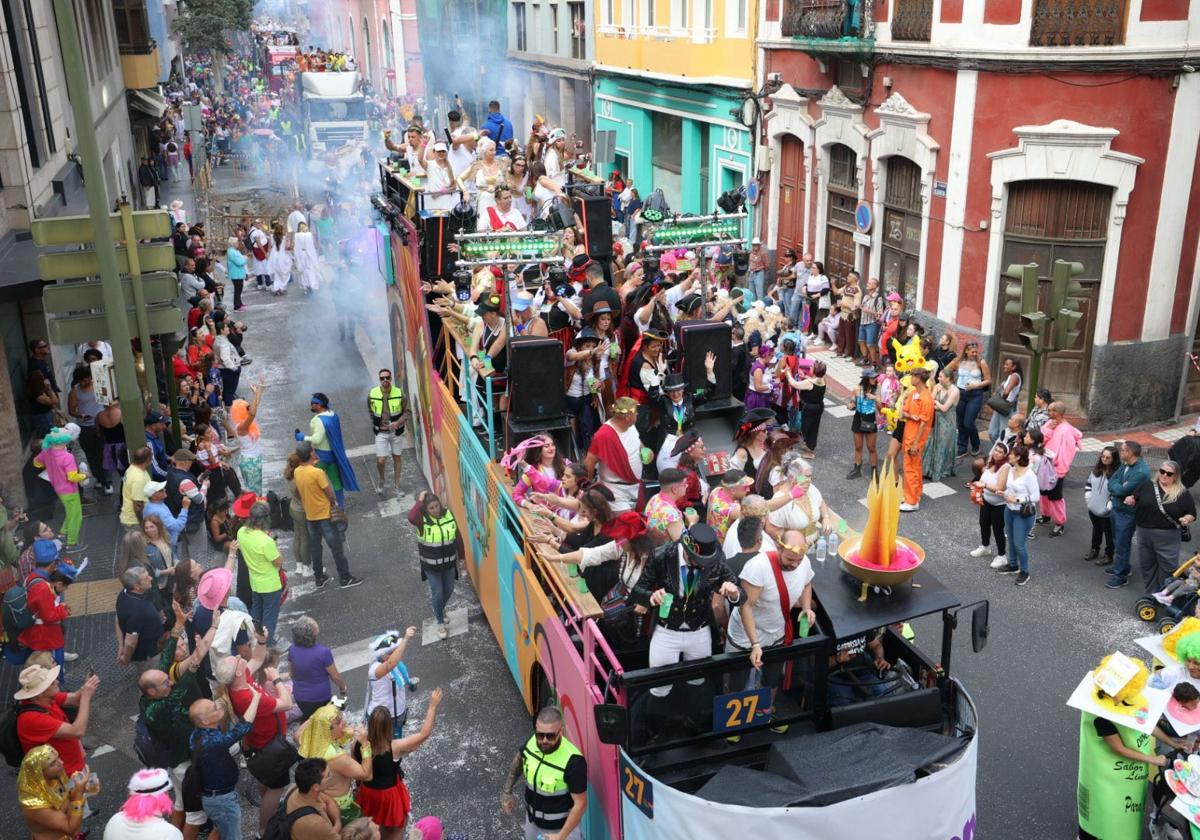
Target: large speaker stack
[(595, 212), (536, 396), (695, 339)]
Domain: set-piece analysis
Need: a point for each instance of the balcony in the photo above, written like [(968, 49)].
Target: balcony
[(827, 20), (1078, 23), (912, 20), (139, 66)]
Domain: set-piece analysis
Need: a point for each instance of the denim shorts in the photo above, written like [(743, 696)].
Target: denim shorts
[(869, 333)]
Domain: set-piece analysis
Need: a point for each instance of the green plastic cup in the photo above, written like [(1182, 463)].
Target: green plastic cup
[(581, 585), (664, 609), (572, 570)]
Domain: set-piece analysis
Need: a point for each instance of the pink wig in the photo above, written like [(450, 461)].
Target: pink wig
[(140, 807)]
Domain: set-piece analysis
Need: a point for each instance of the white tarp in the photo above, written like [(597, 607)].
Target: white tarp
[(941, 805), (330, 85)]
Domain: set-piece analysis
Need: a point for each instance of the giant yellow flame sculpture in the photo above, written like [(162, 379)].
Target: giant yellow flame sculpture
[(883, 518)]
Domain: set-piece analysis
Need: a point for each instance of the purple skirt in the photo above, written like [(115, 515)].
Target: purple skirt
[(754, 399)]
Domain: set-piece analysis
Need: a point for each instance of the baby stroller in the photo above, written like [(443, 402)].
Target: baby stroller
[(1167, 822), (1167, 616)]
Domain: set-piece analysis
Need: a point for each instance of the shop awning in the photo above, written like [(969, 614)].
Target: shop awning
[(148, 101)]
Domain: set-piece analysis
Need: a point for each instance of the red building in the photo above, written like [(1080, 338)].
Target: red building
[(380, 34), (981, 134)]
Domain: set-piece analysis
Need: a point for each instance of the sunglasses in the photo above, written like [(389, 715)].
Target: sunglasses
[(547, 736), (1165, 472), (385, 379)]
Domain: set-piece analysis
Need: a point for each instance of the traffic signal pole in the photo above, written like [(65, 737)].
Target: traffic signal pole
[(129, 394)]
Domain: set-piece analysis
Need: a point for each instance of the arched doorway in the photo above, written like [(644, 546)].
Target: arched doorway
[(1048, 220), (902, 228), (792, 194), (839, 221), (389, 79), (365, 64)]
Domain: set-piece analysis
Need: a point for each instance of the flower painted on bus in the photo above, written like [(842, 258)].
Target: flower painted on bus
[(968, 830)]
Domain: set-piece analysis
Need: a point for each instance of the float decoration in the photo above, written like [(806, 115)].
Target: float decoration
[(881, 557)]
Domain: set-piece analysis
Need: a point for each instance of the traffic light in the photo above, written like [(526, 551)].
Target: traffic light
[(1023, 294), (1033, 331), (1065, 295)]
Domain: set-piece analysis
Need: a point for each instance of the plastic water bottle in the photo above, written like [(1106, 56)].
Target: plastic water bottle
[(821, 548), (833, 545)]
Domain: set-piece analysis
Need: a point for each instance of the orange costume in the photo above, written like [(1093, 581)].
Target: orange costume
[(917, 407)]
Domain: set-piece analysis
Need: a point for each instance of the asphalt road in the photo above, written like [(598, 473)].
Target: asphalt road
[(1044, 636)]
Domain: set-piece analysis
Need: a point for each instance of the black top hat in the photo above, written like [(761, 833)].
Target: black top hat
[(585, 334), (701, 544), (674, 382), (687, 303)]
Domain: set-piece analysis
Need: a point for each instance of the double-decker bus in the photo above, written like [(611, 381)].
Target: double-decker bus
[(902, 762)]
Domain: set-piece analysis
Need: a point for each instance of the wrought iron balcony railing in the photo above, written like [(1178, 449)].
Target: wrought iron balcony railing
[(912, 20), (1078, 23), (827, 19)]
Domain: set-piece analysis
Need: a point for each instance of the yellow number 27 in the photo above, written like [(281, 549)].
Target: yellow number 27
[(741, 710)]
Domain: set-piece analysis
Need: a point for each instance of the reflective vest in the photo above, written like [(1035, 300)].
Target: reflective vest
[(437, 539), (394, 406), (547, 799)]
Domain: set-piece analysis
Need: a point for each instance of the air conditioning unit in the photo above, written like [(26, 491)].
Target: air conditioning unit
[(105, 382)]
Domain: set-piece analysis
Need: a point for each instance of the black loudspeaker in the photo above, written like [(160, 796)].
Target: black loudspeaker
[(596, 214), (437, 235), (695, 340), (535, 380)]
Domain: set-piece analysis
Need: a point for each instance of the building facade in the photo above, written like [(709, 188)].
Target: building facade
[(380, 34), (550, 49), (979, 135), (39, 177), (671, 77)]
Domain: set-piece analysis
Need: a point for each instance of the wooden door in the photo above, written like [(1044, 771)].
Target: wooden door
[(839, 252), (1048, 221), (791, 194)]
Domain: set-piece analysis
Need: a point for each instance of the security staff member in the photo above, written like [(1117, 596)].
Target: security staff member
[(555, 781), (439, 545), (386, 404)]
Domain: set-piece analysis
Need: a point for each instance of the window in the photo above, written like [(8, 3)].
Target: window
[(1077, 23), (649, 20), (608, 12), (554, 27), (708, 14), (133, 31), (681, 17), (902, 211), (350, 35), (667, 157), (387, 43), (735, 16), (843, 169), (578, 31), (848, 76), (30, 81), (519, 19), (366, 56)]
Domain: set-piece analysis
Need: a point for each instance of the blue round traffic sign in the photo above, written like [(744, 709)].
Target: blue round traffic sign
[(863, 217)]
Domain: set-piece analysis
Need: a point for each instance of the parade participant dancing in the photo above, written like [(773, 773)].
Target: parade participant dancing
[(325, 434)]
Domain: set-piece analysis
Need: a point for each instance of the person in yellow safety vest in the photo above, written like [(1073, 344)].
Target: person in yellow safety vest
[(386, 404), (439, 546), (555, 781)]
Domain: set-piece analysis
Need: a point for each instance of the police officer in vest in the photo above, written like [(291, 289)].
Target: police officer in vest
[(439, 545), (555, 781), (386, 404)]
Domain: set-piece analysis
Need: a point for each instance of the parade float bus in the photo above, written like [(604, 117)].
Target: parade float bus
[(333, 109), (902, 763), (277, 59)]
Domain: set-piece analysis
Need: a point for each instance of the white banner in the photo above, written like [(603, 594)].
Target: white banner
[(938, 807)]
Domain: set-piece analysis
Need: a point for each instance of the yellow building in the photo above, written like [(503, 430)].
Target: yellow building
[(671, 75)]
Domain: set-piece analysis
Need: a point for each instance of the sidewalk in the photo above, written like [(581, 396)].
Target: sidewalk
[(842, 376)]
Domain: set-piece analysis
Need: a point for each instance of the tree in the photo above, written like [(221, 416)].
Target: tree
[(203, 26)]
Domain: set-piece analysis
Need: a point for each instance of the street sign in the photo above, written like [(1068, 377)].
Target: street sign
[(76, 329), (72, 230), (939, 189), (69, 265), (863, 217), (862, 239), (61, 298)]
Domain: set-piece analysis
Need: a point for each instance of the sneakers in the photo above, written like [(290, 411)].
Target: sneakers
[(1022, 578), (304, 571), (1043, 520), (107, 489), (1116, 584), (379, 491), (245, 360), (70, 656), (443, 631), (414, 683), (1092, 555), (1000, 562), (240, 309), (1106, 560), (1165, 600), (981, 551), (1010, 570), (350, 582), (1057, 530), (320, 580), (907, 508)]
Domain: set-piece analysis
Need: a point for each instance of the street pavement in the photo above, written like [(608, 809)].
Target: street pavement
[(1044, 636)]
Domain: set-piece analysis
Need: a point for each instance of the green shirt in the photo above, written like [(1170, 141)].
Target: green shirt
[(167, 717), (259, 553)]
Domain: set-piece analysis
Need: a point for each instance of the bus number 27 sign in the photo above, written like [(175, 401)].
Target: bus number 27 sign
[(636, 787), (737, 710)]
